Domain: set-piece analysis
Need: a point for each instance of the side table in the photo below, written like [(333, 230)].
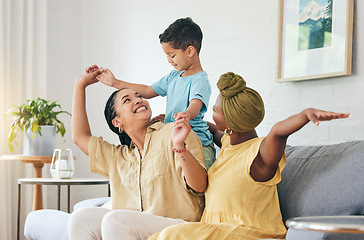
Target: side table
[(59, 183), (38, 163), (337, 224)]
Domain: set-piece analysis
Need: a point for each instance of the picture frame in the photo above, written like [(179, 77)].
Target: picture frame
[(314, 39)]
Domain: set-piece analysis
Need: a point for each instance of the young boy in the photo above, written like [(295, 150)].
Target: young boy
[(187, 87)]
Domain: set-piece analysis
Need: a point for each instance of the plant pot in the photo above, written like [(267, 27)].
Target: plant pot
[(40, 145)]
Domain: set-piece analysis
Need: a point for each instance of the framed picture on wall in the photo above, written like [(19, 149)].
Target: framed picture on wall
[(314, 39)]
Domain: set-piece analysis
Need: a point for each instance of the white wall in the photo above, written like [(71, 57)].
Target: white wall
[(239, 36)]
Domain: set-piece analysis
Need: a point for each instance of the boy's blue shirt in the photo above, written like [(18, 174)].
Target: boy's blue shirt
[(180, 91)]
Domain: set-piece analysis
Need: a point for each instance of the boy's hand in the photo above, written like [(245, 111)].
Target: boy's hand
[(315, 115), (159, 118), (181, 129), (186, 115), (106, 77)]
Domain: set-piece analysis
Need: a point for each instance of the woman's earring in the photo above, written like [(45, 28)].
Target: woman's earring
[(120, 130), (228, 131)]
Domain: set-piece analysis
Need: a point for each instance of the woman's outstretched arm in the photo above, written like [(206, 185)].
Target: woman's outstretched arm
[(273, 146), (81, 132)]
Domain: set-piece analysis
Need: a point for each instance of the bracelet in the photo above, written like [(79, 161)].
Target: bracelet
[(180, 150)]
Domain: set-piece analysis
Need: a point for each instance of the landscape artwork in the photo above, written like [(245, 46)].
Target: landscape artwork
[(315, 24), (314, 39)]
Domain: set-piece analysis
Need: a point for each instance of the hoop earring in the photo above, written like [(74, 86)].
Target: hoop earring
[(228, 131), (121, 130)]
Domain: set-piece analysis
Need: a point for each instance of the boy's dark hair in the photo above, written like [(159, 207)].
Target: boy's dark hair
[(184, 32)]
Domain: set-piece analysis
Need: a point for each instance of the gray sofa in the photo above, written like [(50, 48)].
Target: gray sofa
[(317, 180), (322, 181)]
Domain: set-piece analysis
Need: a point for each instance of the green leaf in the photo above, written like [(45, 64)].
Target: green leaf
[(62, 129), (34, 123), (33, 114), (11, 136), (11, 149)]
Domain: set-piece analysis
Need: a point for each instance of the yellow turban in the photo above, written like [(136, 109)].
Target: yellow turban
[(242, 107)]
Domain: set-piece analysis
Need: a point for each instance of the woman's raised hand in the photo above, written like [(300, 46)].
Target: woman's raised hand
[(92, 68), (102, 75), (88, 78), (181, 129), (315, 115)]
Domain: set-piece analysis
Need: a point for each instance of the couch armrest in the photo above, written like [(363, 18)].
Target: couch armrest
[(93, 202)]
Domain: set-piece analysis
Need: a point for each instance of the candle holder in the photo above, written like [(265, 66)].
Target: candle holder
[(62, 165)]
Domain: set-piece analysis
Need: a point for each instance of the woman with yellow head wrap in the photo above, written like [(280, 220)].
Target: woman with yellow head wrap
[(242, 107), (242, 198)]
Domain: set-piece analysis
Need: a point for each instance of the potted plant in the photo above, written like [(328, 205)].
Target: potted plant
[(36, 118)]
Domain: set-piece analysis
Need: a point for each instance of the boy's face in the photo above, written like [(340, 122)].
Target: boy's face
[(179, 59)]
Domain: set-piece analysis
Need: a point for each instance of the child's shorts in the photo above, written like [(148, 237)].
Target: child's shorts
[(209, 152)]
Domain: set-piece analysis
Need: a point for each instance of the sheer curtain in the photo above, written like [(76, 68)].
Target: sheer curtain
[(22, 76)]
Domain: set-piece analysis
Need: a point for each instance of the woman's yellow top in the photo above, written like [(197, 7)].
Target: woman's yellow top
[(237, 207)]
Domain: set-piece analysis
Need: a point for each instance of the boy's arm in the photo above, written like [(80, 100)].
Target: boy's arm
[(108, 78), (216, 133), (194, 108), (273, 146)]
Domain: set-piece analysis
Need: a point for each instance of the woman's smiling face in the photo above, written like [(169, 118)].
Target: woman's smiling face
[(218, 116), (131, 107)]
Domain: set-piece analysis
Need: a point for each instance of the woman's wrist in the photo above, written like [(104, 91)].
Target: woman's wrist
[(81, 84), (179, 148)]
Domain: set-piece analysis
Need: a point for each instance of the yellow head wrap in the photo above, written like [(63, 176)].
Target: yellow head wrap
[(242, 107)]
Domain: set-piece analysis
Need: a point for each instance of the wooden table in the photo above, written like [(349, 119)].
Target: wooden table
[(38, 163)]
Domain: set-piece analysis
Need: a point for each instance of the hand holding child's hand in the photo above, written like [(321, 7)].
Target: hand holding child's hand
[(159, 118), (181, 129), (88, 78), (315, 115), (92, 68)]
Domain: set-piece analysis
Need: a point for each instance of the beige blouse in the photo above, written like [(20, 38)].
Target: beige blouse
[(153, 183)]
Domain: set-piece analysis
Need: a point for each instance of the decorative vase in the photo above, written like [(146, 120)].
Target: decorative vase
[(62, 165), (40, 145)]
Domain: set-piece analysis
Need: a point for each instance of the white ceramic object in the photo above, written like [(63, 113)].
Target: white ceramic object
[(40, 145), (62, 165)]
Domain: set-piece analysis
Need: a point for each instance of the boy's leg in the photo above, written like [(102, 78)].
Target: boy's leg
[(85, 223), (128, 225), (209, 152)]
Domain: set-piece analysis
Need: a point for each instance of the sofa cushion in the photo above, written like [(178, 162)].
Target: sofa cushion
[(323, 180), (47, 224), (293, 234)]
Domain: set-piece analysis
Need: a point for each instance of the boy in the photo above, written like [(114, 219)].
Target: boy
[(187, 87)]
